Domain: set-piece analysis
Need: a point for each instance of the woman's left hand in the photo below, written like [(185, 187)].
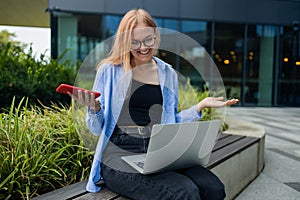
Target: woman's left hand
[(214, 102)]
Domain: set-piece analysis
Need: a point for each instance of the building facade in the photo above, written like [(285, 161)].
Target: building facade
[(24, 13), (255, 44)]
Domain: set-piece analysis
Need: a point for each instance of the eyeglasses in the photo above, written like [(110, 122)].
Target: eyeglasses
[(148, 42)]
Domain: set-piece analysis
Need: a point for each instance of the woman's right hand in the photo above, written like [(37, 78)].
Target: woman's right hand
[(87, 99)]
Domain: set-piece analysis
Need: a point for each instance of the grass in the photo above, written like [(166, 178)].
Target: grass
[(40, 150)]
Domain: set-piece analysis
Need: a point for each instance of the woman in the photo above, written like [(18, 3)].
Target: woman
[(138, 90)]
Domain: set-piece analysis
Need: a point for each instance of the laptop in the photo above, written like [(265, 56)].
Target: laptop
[(175, 146)]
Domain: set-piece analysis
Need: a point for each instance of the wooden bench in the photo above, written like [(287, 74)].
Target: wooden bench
[(225, 155)]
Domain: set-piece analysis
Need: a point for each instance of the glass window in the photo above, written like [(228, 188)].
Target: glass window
[(163, 53), (228, 55), (198, 31), (259, 71), (252, 65), (110, 25), (93, 29), (171, 24), (289, 67), (158, 21), (79, 34), (167, 23), (255, 73)]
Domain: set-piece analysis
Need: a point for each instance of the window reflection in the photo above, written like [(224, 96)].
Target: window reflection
[(252, 65), (110, 25), (289, 71), (197, 30), (260, 64), (228, 55)]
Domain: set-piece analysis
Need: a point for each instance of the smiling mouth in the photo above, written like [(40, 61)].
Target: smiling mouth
[(146, 52)]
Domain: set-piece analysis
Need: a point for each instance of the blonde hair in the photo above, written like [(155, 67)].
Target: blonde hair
[(120, 52)]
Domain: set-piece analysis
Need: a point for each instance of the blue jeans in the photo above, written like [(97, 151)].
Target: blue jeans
[(192, 183)]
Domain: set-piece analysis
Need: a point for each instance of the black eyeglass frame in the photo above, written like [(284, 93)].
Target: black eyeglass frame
[(144, 42)]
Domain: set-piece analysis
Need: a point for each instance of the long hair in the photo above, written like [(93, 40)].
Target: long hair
[(120, 52)]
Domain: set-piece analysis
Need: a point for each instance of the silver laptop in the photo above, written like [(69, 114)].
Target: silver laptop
[(175, 146)]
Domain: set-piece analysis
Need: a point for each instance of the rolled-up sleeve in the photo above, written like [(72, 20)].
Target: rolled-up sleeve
[(189, 115), (94, 121)]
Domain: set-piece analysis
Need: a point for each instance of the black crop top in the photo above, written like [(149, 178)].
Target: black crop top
[(143, 107)]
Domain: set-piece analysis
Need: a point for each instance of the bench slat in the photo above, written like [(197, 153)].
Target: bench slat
[(222, 135), (68, 192), (226, 140), (121, 198), (226, 152), (104, 194)]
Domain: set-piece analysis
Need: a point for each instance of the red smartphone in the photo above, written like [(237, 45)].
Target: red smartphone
[(64, 88)]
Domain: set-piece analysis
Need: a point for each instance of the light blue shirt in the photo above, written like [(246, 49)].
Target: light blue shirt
[(112, 82)]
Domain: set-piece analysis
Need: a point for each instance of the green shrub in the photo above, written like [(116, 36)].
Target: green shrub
[(40, 150), (24, 76), (189, 95)]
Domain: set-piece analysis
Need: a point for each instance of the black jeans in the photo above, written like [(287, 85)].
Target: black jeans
[(185, 184)]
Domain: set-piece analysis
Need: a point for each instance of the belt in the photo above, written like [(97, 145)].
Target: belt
[(144, 131)]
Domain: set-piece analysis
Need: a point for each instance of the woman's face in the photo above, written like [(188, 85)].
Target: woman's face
[(143, 42)]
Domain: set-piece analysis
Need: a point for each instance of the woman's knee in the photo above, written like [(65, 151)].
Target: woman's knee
[(174, 186), (184, 190), (215, 191), (210, 186), (190, 192), (161, 186)]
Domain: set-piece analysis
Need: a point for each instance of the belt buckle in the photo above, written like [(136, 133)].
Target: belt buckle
[(141, 131)]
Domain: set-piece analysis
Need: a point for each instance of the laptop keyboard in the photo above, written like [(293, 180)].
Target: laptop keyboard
[(140, 164)]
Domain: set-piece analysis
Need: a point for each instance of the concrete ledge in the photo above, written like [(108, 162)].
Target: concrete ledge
[(240, 127), (238, 171), (245, 128)]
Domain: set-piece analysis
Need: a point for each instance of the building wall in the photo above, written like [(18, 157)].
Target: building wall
[(282, 12), (33, 12), (30, 13)]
